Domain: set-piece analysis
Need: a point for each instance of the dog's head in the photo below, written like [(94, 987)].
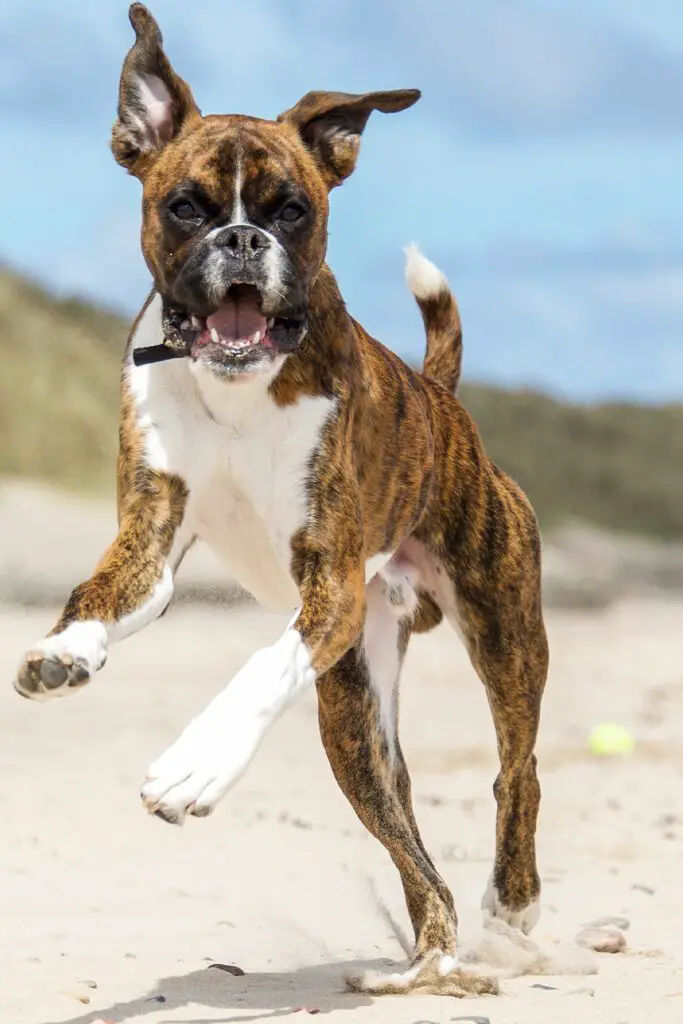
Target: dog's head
[(234, 208)]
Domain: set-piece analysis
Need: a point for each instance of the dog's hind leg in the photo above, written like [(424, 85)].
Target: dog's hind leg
[(358, 709), (495, 603)]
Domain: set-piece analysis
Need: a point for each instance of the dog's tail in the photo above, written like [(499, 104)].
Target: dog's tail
[(443, 361)]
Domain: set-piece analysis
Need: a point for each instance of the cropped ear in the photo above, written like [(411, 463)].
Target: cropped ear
[(331, 124), (154, 102)]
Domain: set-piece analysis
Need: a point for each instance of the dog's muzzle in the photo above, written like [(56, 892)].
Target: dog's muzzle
[(230, 306), (234, 337)]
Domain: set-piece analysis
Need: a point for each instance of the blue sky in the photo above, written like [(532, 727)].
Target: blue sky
[(542, 169)]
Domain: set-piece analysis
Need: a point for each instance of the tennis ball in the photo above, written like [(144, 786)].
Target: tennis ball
[(608, 739)]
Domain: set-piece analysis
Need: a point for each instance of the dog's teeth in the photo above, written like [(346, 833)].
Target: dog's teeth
[(195, 321), (256, 338), (214, 335), (271, 322), (184, 325)]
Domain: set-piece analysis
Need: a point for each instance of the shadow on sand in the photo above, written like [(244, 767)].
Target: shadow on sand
[(320, 987)]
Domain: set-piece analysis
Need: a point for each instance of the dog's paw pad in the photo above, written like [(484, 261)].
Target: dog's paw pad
[(44, 675), (62, 662)]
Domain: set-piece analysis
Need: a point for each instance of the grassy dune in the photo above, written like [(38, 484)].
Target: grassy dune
[(58, 387)]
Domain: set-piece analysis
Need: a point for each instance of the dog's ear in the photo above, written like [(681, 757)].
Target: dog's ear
[(154, 102), (331, 124)]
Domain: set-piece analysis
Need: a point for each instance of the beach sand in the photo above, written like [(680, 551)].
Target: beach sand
[(283, 881)]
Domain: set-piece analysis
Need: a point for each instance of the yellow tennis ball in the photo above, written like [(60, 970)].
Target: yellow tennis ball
[(610, 738)]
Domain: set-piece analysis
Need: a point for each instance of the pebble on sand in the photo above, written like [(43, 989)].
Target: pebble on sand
[(75, 994), (228, 968), (622, 923), (602, 940), (638, 887)]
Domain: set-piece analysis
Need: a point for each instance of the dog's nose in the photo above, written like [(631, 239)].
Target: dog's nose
[(242, 241)]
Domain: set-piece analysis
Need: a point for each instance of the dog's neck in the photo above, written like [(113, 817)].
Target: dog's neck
[(327, 362)]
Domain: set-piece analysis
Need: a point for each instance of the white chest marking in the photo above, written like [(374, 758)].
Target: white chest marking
[(244, 460)]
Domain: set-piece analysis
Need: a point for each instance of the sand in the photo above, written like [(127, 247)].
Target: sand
[(283, 881)]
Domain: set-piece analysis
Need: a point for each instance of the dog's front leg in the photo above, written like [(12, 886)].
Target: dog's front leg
[(216, 748), (131, 586)]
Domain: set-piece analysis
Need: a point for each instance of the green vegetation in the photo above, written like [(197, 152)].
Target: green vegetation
[(59, 387), (614, 465)]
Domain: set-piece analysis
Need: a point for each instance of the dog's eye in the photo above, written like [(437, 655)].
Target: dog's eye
[(183, 209), (291, 212)]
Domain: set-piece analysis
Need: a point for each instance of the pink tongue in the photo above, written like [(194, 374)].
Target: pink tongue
[(237, 319)]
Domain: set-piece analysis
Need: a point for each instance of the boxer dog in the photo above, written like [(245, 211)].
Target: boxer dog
[(330, 477)]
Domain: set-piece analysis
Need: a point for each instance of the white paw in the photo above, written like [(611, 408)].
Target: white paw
[(62, 663), (384, 982), (199, 769), (525, 920), (216, 748), (435, 973)]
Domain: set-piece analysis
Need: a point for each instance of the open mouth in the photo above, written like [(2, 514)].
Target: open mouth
[(237, 333)]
